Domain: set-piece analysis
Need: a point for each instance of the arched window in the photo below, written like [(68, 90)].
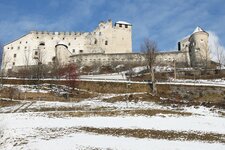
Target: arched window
[(106, 42), (96, 41), (42, 44)]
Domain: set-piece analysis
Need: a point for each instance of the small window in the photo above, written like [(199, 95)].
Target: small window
[(73, 50), (14, 63), (69, 44), (20, 42), (100, 33), (52, 38), (106, 42), (81, 51), (96, 41), (120, 25), (25, 47), (63, 38), (75, 38), (18, 47), (14, 55), (126, 26), (42, 44), (26, 42), (8, 47), (37, 37), (201, 39), (36, 53), (11, 47)]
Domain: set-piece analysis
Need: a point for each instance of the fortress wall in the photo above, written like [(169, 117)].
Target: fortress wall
[(107, 59), (106, 38)]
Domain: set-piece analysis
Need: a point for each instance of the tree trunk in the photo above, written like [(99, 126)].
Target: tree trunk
[(154, 89)]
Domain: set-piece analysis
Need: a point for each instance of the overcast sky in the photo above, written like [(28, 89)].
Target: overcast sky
[(164, 21)]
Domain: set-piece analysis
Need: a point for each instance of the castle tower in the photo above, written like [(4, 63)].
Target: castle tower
[(198, 48), (62, 54)]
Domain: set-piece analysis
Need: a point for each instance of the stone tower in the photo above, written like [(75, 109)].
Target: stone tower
[(62, 53), (198, 48)]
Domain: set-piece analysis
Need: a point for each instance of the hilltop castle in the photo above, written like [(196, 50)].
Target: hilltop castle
[(108, 43)]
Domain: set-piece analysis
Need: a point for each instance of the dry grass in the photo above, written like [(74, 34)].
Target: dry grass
[(107, 87), (75, 96), (8, 103), (157, 134), (213, 97), (133, 98), (104, 111)]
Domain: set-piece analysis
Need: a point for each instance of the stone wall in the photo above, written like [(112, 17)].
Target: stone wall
[(106, 39)]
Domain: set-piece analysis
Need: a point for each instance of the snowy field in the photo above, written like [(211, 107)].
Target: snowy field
[(96, 123)]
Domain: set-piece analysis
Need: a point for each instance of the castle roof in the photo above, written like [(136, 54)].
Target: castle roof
[(61, 43), (198, 29), (123, 22)]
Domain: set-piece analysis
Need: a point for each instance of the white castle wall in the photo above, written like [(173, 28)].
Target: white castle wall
[(107, 44), (106, 38)]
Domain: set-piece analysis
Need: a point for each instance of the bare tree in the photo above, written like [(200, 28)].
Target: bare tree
[(39, 56), (129, 65), (69, 72), (4, 59), (149, 48), (204, 56), (27, 58), (220, 56)]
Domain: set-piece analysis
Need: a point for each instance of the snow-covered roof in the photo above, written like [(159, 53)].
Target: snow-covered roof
[(123, 22), (61, 43), (198, 29)]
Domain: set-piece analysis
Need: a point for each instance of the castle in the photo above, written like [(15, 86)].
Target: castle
[(108, 43)]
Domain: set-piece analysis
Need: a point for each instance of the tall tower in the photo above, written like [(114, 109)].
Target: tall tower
[(198, 48), (62, 53)]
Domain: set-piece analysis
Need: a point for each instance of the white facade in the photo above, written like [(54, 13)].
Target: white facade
[(43, 47), (108, 43)]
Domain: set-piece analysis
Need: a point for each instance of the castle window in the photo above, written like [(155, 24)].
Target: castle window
[(120, 25), (96, 41), (69, 44), (42, 44), (126, 26), (26, 42), (63, 38), (8, 47), (20, 42), (36, 53), (81, 51), (106, 42), (25, 47), (11, 47), (37, 37), (75, 38), (52, 38), (14, 55), (201, 39), (73, 50), (18, 47), (14, 63)]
